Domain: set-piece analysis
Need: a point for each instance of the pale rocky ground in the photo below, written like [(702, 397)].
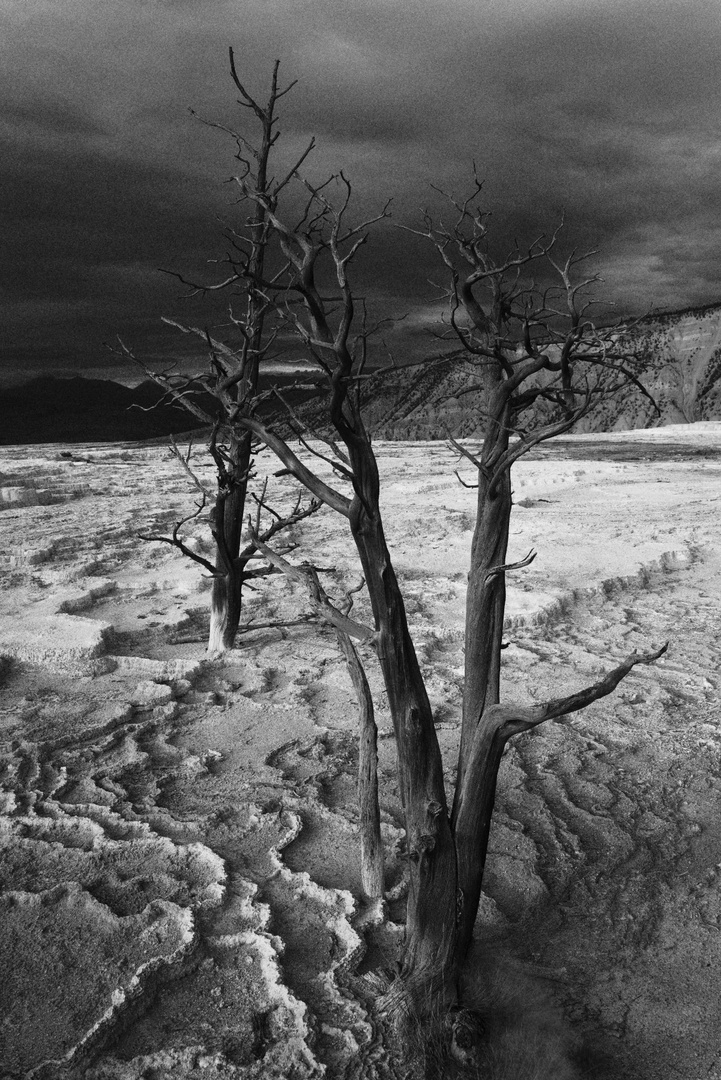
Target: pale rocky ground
[(179, 876)]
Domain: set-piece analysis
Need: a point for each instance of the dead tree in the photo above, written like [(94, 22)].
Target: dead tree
[(536, 350), (231, 378), (567, 367), (533, 353), (267, 523)]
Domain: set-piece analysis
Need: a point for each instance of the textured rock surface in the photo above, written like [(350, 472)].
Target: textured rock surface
[(179, 879), (70, 967), (74, 645)]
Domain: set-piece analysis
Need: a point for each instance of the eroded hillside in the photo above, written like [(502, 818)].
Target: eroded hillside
[(679, 363)]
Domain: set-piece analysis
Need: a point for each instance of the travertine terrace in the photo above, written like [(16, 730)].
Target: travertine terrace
[(178, 862)]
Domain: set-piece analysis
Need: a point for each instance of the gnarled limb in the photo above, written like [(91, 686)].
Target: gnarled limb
[(307, 576), (512, 566), (175, 541), (513, 720), (474, 802), (295, 466)]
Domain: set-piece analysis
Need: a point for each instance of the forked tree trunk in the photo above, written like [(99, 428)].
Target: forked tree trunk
[(430, 952)]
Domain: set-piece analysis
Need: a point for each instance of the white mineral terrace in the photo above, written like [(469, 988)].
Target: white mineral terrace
[(179, 868)]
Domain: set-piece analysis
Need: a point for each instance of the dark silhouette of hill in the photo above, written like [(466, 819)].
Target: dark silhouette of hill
[(49, 409)]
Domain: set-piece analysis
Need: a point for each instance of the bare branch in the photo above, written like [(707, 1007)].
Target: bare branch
[(524, 445), (463, 482), (163, 381), (307, 576), (313, 483), (247, 99), (512, 566), (512, 720), (185, 464), (175, 541), (470, 457), (281, 522), (293, 172)]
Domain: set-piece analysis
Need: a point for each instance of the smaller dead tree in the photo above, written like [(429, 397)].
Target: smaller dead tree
[(267, 524), (231, 379)]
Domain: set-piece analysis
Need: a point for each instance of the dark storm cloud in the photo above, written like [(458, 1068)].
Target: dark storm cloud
[(609, 110), (49, 115), (82, 244)]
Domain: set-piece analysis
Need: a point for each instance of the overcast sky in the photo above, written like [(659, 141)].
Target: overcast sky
[(607, 108)]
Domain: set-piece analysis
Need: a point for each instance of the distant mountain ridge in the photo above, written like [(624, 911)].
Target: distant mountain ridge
[(50, 409), (679, 364)]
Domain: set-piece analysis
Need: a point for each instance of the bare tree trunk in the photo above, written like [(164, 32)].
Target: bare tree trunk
[(225, 609), (372, 873), (226, 595), (481, 747), (486, 592), (431, 923), (472, 812), (485, 608)]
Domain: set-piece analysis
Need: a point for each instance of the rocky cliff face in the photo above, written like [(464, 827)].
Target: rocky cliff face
[(682, 363), (679, 363)]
